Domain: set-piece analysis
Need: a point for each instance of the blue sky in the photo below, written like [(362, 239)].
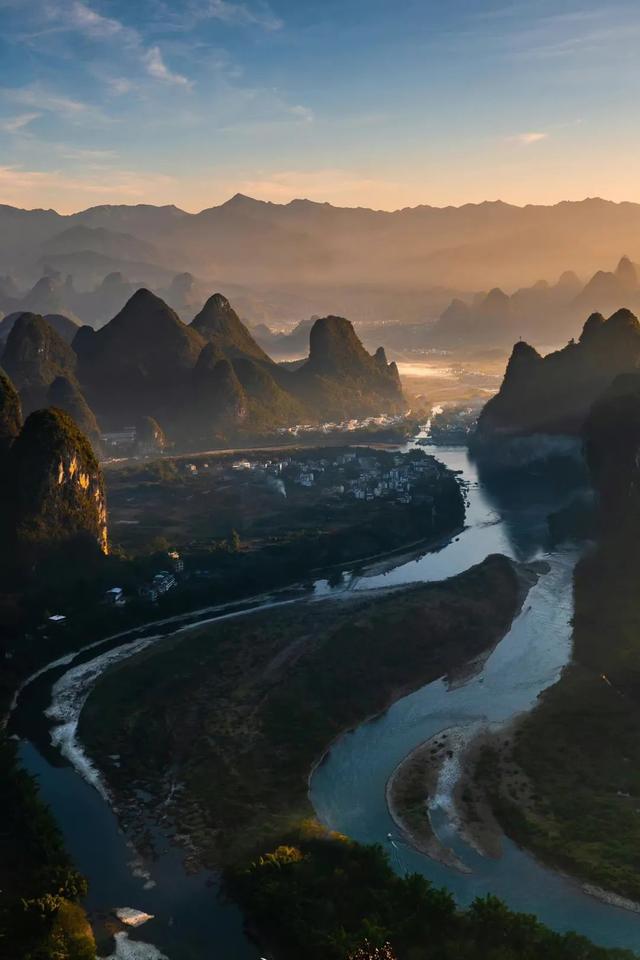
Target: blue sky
[(379, 103)]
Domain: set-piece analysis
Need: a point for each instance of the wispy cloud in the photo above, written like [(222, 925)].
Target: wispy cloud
[(80, 18), (120, 85), (19, 123), (304, 114), (35, 95), (526, 139), (157, 68), (85, 154), (241, 14), (83, 18)]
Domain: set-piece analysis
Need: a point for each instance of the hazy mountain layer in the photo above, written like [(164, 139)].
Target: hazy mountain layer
[(246, 241)]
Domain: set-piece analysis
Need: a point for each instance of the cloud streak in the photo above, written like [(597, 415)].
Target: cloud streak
[(19, 123), (78, 17), (83, 18), (157, 68), (527, 139), (42, 98), (241, 14)]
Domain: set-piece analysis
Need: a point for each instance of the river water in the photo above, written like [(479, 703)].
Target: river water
[(348, 788)]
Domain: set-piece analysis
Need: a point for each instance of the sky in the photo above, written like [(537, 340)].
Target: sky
[(378, 103)]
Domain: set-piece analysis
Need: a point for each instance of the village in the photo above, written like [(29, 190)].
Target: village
[(365, 474), (211, 518)]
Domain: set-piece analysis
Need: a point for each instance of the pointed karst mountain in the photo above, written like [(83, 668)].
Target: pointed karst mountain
[(218, 323), (10, 414), (45, 296), (488, 320), (553, 394), (627, 274), (209, 379), (34, 355), (65, 326), (48, 296), (150, 437), (607, 290), (139, 362), (495, 306), (184, 294), (341, 379), (57, 492), (271, 402), (569, 281), (66, 395), (219, 402)]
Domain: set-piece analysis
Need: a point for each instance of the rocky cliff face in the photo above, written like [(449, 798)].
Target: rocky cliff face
[(34, 356), (553, 394), (57, 492)]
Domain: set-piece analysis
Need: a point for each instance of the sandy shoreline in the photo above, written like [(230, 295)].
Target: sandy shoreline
[(409, 791), (418, 780)]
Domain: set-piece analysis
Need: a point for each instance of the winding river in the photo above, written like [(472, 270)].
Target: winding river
[(348, 788)]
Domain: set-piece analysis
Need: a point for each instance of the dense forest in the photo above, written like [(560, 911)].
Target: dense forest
[(323, 897)]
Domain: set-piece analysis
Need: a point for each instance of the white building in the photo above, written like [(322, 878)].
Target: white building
[(115, 597)]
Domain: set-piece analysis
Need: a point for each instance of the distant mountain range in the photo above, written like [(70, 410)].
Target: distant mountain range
[(544, 313), (287, 261), (200, 383)]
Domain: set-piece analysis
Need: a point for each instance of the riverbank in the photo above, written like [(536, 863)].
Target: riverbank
[(574, 795), (245, 538), (223, 701), (40, 891), (59, 648), (348, 787), (436, 774)]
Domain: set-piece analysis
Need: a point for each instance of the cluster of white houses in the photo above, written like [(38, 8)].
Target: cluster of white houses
[(362, 476)]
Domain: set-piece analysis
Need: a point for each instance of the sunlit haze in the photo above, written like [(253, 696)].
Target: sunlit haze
[(357, 102)]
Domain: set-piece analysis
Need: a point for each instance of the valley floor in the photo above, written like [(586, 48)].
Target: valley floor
[(220, 729)]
